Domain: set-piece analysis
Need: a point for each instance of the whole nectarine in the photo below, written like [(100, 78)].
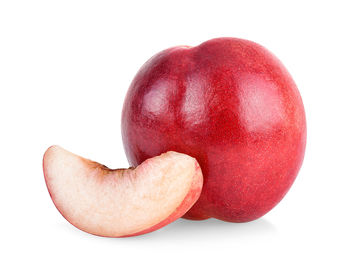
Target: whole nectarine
[(232, 105)]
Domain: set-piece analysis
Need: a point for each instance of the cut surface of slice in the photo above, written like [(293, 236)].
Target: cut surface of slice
[(121, 202)]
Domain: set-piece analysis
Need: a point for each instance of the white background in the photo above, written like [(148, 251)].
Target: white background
[(65, 67)]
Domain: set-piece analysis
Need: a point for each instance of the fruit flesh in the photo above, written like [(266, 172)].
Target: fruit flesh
[(124, 202), (233, 106)]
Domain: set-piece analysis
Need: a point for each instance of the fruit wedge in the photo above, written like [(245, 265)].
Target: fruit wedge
[(121, 202)]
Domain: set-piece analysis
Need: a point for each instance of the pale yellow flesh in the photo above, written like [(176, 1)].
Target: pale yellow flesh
[(117, 202)]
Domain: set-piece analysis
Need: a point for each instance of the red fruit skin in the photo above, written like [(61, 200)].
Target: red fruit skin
[(232, 105)]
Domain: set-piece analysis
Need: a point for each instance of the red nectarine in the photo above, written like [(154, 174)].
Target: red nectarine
[(232, 105)]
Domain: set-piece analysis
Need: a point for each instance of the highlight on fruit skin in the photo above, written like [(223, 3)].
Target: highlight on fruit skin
[(121, 202)]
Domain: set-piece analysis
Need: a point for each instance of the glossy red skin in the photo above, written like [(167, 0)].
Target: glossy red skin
[(233, 106)]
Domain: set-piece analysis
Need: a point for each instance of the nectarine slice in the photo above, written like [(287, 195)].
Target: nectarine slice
[(121, 202)]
